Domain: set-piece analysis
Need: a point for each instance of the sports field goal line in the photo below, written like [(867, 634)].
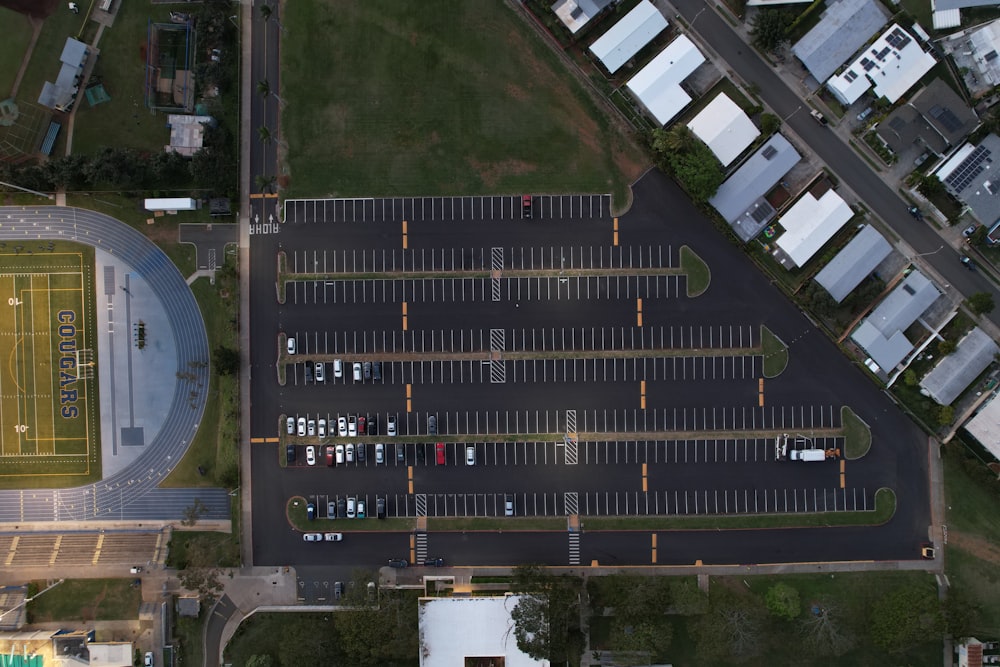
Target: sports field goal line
[(84, 364)]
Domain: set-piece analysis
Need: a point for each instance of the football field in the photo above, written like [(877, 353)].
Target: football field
[(49, 412)]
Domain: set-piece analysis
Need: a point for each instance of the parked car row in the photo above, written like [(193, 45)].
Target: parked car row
[(323, 537), (346, 426), (361, 371), (348, 507)]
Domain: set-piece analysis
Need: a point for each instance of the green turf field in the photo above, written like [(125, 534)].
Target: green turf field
[(49, 412)]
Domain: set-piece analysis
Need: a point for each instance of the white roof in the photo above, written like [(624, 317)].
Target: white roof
[(628, 36), (577, 13), (170, 204), (658, 84), (946, 18), (110, 654), (985, 426), (893, 63), (725, 128), (810, 223), (453, 629)]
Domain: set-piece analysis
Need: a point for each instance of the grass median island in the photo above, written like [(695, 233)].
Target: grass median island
[(775, 353), (885, 507), (458, 99), (857, 434), (699, 276)]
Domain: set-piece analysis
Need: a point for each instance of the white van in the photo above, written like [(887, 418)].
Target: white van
[(338, 368)]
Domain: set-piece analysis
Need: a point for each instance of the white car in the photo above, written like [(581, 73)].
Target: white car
[(320, 371), (340, 454), (312, 427), (302, 426), (379, 453), (352, 426), (390, 426), (338, 368), (351, 507), (350, 453), (311, 455), (470, 455), (291, 345), (148, 661), (290, 424), (342, 426), (322, 428), (333, 537), (357, 371), (312, 537)]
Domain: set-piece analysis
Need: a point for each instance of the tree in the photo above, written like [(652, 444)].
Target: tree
[(824, 631), (768, 28), (930, 185), (200, 572), (265, 183), (264, 133), (981, 303), (227, 360), (782, 601), (265, 12), (769, 123), (698, 171), (264, 88), (193, 512), (946, 347), (906, 616), (531, 626), (731, 630), (945, 415), (260, 660)]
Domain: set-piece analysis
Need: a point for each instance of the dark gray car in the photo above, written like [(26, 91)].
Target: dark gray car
[(368, 370), (377, 371)]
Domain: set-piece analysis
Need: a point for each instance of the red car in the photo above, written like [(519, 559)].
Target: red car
[(361, 425), (526, 206), (329, 455), (440, 453)]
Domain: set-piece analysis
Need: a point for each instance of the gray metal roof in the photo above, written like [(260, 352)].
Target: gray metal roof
[(950, 116), (845, 27), (904, 304), (887, 352), (974, 181), (944, 5), (957, 370), (854, 263), (736, 200), (905, 127)]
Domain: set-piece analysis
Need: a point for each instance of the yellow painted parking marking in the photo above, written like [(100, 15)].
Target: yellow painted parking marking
[(413, 548), (409, 398), (642, 394), (616, 232), (271, 440), (55, 550), (594, 563), (256, 196), (256, 440), (405, 310), (409, 478), (639, 312), (654, 548), (405, 233), (843, 475), (644, 479), (698, 563), (760, 392)]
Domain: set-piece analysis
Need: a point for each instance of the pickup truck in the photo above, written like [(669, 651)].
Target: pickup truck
[(820, 118)]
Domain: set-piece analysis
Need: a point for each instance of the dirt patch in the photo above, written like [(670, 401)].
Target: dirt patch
[(515, 91), (977, 546), (490, 173)]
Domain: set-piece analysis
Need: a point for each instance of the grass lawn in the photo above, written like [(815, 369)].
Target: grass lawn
[(223, 547), (699, 276), (458, 99), (857, 434), (17, 34), (977, 583), (775, 353), (87, 600), (125, 120)]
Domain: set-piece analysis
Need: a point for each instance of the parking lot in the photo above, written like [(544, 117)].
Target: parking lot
[(584, 378)]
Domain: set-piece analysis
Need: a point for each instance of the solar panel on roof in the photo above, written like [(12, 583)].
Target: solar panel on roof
[(850, 76), (945, 116), (990, 56), (968, 170), (762, 213), (867, 64), (769, 152), (883, 53), (897, 39)]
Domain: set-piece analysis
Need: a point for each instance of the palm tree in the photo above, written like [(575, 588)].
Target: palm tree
[(265, 183), (265, 12), (264, 88), (264, 132)]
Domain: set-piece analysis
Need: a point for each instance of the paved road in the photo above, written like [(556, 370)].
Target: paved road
[(130, 494), (842, 160)]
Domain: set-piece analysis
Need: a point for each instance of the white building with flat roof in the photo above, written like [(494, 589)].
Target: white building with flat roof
[(658, 85), (627, 37), (725, 128), (458, 630), (810, 223), (892, 64)]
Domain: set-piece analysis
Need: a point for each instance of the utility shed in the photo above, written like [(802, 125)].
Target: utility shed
[(627, 37), (658, 85), (853, 264), (725, 128), (740, 198), (171, 204), (956, 371)]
